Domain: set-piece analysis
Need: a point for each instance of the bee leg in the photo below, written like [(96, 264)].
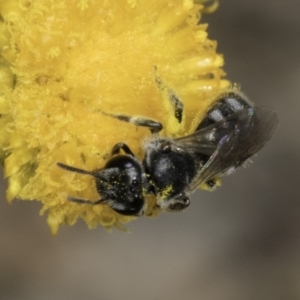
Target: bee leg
[(172, 98), (172, 104), (153, 126), (116, 149)]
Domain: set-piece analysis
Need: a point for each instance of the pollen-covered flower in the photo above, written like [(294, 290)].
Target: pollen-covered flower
[(63, 62)]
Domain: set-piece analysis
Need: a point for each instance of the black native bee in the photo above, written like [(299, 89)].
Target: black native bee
[(232, 130)]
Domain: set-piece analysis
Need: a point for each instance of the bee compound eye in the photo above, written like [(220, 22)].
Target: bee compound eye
[(166, 147)]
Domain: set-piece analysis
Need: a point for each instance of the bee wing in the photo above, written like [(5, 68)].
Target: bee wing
[(231, 141), (204, 141)]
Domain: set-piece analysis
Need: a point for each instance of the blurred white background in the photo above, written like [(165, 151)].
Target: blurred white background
[(241, 242)]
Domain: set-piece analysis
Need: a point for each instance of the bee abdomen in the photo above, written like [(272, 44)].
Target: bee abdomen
[(224, 106)]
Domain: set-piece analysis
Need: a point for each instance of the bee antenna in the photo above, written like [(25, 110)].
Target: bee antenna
[(84, 201)]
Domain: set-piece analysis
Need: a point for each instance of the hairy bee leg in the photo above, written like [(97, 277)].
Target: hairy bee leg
[(171, 96), (116, 149), (153, 126), (84, 201)]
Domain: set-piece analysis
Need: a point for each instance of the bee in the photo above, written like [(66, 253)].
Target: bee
[(232, 130)]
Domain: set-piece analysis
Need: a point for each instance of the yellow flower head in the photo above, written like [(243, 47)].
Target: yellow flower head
[(64, 62)]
